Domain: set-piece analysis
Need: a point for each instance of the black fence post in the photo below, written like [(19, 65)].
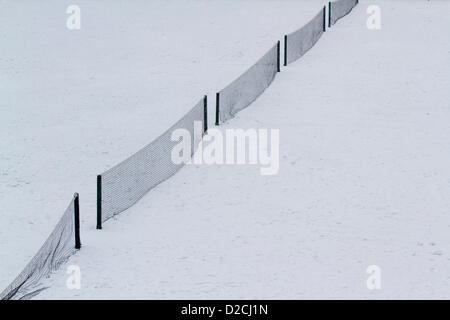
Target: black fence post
[(76, 204), (99, 202), (324, 18), (278, 57), (205, 114), (329, 14), (217, 107), (285, 50)]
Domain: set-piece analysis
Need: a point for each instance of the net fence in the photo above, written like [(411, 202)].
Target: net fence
[(299, 42), (248, 87), (340, 8), (58, 247), (126, 183)]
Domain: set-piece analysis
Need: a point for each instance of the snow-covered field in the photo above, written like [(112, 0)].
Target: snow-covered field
[(364, 151)]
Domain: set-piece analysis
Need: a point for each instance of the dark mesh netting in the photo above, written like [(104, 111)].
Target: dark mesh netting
[(56, 250), (340, 9), (126, 183), (249, 86), (300, 41)]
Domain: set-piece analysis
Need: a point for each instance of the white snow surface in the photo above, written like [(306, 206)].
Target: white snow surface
[(364, 149)]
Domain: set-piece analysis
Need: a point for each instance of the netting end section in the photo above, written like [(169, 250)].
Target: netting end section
[(99, 202)]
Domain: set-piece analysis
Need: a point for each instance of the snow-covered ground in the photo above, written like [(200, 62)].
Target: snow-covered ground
[(363, 118)]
